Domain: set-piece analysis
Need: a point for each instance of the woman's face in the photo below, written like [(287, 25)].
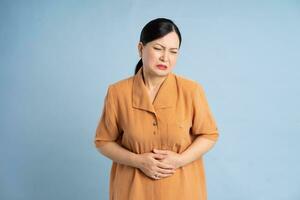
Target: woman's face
[(162, 51)]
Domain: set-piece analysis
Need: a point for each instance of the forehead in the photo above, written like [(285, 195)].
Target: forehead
[(170, 40)]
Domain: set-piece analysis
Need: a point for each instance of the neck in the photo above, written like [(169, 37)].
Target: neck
[(152, 82)]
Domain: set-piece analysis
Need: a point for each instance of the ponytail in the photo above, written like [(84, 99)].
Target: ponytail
[(138, 66)]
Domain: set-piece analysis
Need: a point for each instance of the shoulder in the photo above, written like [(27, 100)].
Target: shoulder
[(123, 85), (188, 85)]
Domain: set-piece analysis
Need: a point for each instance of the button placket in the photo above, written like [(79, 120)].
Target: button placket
[(154, 123)]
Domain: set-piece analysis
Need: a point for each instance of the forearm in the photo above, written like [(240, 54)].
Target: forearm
[(119, 154), (198, 148)]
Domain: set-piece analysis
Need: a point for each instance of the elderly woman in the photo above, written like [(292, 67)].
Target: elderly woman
[(156, 126)]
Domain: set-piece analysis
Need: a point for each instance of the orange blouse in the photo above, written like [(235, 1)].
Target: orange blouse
[(179, 114)]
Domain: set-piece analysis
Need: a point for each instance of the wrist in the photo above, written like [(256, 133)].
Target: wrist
[(183, 160), (136, 160)]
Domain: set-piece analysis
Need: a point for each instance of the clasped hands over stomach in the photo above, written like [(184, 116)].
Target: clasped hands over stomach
[(159, 163)]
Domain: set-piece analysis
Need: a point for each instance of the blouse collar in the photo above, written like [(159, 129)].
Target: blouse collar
[(166, 95)]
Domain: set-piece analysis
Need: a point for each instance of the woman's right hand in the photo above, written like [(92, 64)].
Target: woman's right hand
[(150, 165)]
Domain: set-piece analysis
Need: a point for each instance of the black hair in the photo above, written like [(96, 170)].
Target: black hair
[(155, 29)]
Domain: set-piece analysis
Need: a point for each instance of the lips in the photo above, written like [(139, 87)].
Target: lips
[(162, 66)]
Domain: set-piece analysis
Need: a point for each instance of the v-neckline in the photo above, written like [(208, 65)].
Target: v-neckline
[(165, 97), (148, 91)]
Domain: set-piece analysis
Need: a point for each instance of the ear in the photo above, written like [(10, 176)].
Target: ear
[(140, 48)]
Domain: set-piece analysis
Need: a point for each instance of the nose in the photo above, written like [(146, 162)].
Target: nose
[(164, 56)]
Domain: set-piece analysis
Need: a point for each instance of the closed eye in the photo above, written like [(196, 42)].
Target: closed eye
[(173, 52)]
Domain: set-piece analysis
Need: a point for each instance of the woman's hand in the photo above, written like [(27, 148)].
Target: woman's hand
[(150, 164), (170, 157)]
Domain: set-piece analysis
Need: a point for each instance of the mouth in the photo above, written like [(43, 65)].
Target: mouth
[(162, 67)]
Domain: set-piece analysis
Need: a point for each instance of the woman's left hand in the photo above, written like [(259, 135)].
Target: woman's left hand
[(171, 157)]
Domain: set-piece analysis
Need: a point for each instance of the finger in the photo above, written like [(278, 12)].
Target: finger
[(156, 176), (165, 175), (160, 151), (160, 176), (166, 171), (165, 166), (158, 156)]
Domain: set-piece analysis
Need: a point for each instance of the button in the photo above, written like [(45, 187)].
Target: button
[(154, 123), (154, 132)]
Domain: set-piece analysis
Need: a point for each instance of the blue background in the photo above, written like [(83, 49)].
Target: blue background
[(58, 57)]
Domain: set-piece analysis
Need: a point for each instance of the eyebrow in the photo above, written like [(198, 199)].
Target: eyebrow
[(164, 46)]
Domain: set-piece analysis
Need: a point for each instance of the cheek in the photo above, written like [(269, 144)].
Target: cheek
[(173, 59), (152, 57)]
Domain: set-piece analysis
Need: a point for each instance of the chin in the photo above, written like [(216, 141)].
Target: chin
[(157, 72), (161, 72)]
